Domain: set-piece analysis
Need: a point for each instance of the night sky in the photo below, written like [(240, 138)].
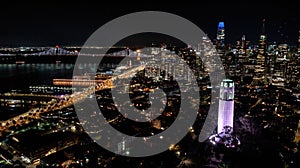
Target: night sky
[(71, 23)]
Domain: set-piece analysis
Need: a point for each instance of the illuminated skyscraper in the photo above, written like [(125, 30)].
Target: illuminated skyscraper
[(262, 44), (220, 36), (261, 68), (242, 47), (243, 44), (299, 42), (226, 105)]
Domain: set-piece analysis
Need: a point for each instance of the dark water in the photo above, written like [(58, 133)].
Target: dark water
[(17, 77), (20, 77)]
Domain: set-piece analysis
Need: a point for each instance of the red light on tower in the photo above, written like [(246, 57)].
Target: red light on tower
[(56, 46)]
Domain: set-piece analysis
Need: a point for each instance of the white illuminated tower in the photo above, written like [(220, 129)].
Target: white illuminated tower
[(226, 105), (225, 134)]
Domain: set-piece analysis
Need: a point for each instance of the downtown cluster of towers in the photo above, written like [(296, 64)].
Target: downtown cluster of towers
[(226, 100), (262, 42)]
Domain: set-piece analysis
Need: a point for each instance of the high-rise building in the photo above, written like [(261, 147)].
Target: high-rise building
[(261, 68), (220, 43), (242, 49), (299, 42), (242, 46), (262, 44), (225, 134)]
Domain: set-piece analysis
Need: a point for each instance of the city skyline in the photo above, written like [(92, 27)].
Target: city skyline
[(68, 98)]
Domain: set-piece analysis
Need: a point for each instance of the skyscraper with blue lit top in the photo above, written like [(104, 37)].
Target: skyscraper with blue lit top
[(220, 43)]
